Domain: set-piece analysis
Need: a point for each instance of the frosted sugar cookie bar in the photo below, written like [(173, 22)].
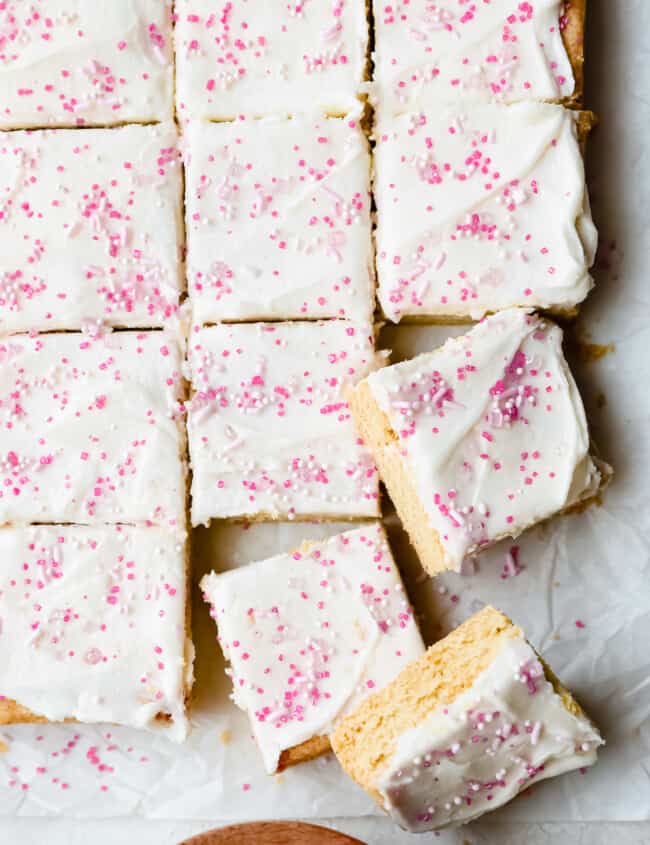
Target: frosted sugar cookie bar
[(479, 439), (91, 228), (269, 58), (480, 209), (429, 53), (92, 429), (85, 63), (308, 634), (270, 432), (94, 626), (278, 219), (465, 728)]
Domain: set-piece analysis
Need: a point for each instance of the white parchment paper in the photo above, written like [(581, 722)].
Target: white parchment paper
[(583, 594)]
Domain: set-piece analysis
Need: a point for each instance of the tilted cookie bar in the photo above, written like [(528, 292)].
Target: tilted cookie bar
[(465, 728), (308, 634), (480, 439)]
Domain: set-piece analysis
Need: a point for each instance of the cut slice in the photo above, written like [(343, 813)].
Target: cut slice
[(270, 432), (93, 429), (501, 51), (92, 228), (481, 208), (278, 219), (77, 63), (269, 58), (308, 634), (479, 439), (100, 616), (465, 728)]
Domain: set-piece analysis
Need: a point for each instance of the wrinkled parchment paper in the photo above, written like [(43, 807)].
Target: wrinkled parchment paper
[(582, 595)]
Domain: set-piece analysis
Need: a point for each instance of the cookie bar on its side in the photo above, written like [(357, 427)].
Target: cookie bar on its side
[(431, 53), (83, 63), (479, 439), (267, 58), (278, 220), (270, 432), (465, 728), (308, 634), (91, 228), (99, 615), (481, 208), (92, 429)]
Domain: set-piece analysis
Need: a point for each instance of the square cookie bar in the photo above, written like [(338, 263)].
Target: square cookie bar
[(270, 432), (85, 63), (504, 51), (308, 634), (479, 439), (92, 429), (275, 57), (91, 228), (98, 614), (278, 220), (465, 728), (481, 209)]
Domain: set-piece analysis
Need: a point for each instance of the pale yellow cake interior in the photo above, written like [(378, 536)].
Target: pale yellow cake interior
[(376, 431)]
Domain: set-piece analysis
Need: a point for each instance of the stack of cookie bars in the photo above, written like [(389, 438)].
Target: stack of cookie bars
[(187, 250), (93, 500)]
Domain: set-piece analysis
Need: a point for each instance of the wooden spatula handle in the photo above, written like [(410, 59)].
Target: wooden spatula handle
[(272, 833)]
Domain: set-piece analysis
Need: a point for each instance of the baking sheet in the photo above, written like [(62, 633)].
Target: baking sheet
[(582, 595)]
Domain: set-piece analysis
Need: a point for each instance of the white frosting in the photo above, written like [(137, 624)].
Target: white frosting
[(480, 209), (491, 429), (92, 624), (269, 430), (309, 634), (510, 729), (278, 220), (84, 62), (427, 53), (91, 429), (275, 57), (90, 228)]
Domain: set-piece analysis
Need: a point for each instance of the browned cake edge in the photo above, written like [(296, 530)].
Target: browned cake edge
[(573, 34), (310, 749)]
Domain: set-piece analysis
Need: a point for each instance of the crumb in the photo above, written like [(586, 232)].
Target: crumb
[(590, 352)]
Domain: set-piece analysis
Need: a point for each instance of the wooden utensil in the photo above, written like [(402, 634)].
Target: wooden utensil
[(272, 833)]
